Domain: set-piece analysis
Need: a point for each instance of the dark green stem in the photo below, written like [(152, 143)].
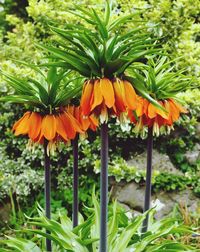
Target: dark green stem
[(104, 188), (147, 200), (75, 182), (47, 190)]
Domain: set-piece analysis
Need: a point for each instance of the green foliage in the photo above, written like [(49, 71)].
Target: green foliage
[(176, 23), (159, 78), (120, 170), (100, 50), (48, 92), (85, 237)]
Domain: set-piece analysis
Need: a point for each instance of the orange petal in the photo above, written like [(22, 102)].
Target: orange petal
[(168, 121), (70, 131), (151, 111), (180, 108), (48, 127), (76, 114), (21, 127), (94, 122), (145, 106), (71, 109), (162, 113), (174, 111), (35, 125), (107, 92), (60, 128), (86, 98), (119, 95), (76, 124), (98, 98), (131, 116), (140, 105), (130, 95)]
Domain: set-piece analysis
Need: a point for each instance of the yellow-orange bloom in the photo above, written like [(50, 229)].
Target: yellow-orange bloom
[(89, 122), (54, 127), (102, 97), (152, 116)]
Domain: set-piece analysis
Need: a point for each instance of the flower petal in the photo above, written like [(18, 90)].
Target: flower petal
[(162, 113), (140, 105), (151, 111), (60, 128), (130, 95), (86, 98), (48, 127), (98, 98), (119, 95), (174, 111), (21, 127), (107, 92), (180, 108), (35, 121)]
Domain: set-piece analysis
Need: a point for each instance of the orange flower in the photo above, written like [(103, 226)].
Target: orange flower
[(89, 122), (54, 127), (102, 97), (151, 116)]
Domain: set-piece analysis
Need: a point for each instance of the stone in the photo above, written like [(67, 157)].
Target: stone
[(194, 155), (131, 195), (160, 162)]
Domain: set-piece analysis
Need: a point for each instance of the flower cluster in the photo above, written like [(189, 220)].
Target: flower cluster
[(62, 126), (102, 97), (146, 114)]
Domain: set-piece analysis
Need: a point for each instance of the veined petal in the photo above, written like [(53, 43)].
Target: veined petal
[(180, 108), (107, 92), (145, 106), (130, 95), (86, 98), (140, 104), (162, 113), (131, 116), (71, 109), (94, 122), (98, 98), (119, 95), (21, 127), (60, 128), (69, 128), (85, 123), (175, 113), (48, 127), (151, 111), (35, 121), (76, 124), (168, 121)]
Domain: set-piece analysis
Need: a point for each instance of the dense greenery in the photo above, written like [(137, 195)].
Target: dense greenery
[(85, 237), (23, 24)]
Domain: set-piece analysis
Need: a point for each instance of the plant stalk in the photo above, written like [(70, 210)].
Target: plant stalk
[(47, 191), (75, 183), (104, 188), (147, 200)]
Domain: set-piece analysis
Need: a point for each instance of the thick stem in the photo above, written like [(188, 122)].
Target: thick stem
[(75, 183), (47, 191), (104, 188), (147, 200)]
